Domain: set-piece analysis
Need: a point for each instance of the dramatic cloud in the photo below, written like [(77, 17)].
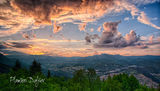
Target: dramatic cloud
[(112, 38), (11, 20), (43, 11), (131, 38), (17, 15)]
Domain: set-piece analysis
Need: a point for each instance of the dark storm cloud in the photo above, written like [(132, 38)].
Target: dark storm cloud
[(112, 38), (20, 45)]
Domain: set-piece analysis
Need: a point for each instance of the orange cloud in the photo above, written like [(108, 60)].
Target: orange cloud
[(99, 29), (35, 50), (46, 10), (16, 15), (12, 21), (91, 29), (77, 48), (82, 26), (131, 37), (56, 28)]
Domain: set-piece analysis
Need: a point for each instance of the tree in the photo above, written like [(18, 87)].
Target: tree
[(133, 83), (35, 67), (91, 73), (93, 79), (17, 65), (79, 76), (49, 74)]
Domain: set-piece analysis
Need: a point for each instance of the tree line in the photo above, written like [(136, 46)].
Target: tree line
[(82, 80)]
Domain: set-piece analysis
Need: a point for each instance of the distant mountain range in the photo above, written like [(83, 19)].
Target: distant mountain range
[(104, 64)]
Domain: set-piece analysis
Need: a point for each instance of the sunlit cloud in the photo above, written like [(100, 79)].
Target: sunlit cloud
[(99, 29), (141, 15), (44, 11), (78, 48), (20, 16), (112, 38), (17, 15), (82, 26), (144, 19), (56, 28), (12, 20)]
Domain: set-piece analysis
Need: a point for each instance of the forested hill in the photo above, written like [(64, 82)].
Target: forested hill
[(144, 68), (21, 79)]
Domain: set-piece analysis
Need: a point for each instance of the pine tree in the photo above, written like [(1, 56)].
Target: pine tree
[(133, 83), (17, 65), (91, 73), (35, 67), (49, 74), (79, 75)]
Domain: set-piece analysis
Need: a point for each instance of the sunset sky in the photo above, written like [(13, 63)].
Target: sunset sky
[(80, 27)]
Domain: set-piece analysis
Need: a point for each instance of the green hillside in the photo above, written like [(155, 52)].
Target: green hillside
[(20, 79)]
